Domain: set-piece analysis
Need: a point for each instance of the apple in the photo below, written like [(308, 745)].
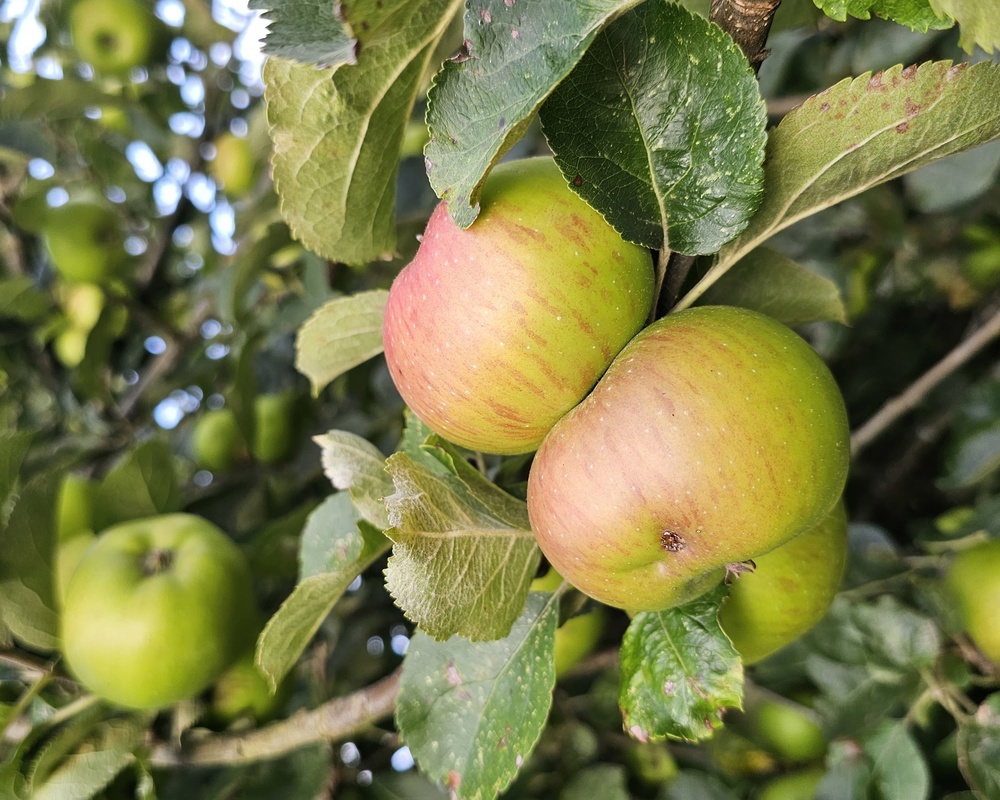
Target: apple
[(800, 785), (788, 730), (70, 346), (493, 333), (85, 241), (157, 610), (651, 762), (216, 440), (243, 692), (789, 590), (234, 166), (973, 579), (68, 556), (275, 431), (715, 436), (577, 636), (113, 36), (74, 506), (82, 304)]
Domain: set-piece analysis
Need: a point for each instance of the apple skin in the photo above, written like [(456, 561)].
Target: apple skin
[(216, 440), (74, 506), (715, 436), (243, 692), (799, 785), (275, 431), (156, 610), (787, 730), (85, 241), (493, 333), (113, 36), (789, 590), (973, 580), (233, 166)]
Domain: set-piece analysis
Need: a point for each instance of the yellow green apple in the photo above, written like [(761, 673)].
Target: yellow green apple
[(276, 428), (86, 242), (234, 166), (493, 333), (74, 506), (799, 785), (216, 440), (973, 579), (113, 36), (789, 730)]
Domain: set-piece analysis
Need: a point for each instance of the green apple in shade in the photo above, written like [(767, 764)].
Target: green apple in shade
[(493, 333), (86, 242), (216, 440), (651, 763), (789, 730), (275, 432), (973, 580), (156, 610), (69, 553), (798, 785), (788, 591), (715, 436), (74, 506), (113, 36), (577, 637), (234, 166), (242, 692)]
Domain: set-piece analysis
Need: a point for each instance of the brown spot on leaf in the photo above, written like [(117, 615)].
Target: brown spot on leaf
[(902, 127), (578, 180), (910, 72), (910, 108), (824, 107)]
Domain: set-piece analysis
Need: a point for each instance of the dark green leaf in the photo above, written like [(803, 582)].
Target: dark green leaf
[(515, 53), (769, 282), (606, 781), (13, 448), (462, 559), (341, 334), (19, 299), (472, 712), (337, 137), (661, 128), (679, 672), (956, 180), (916, 14), (311, 31), (979, 749), (848, 774), (899, 769), (690, 785), (144, 484), (976, 457)]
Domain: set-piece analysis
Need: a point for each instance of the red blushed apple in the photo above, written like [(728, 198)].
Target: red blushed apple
[(715, 436), (493, 333)]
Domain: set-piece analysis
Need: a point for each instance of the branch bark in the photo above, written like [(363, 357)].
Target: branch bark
[(748, 22), (335, 719)]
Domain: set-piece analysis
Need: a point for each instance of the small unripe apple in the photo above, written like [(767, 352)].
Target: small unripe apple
[(973, 579), (216, 441), (788, 730), (233, 166), (74, 506), (70, 346), (493, 333), (715, 436), (243, 692), (113, 36), (275, 432), (799, 785), (789, 590), (86, 242), (68, 556), (577, 636)]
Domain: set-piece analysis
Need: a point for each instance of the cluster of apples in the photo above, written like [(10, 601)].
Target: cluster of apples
[(667, 453)]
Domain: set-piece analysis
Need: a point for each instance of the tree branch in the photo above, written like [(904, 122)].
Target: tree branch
[(748, 22), (920, 388), (335, 719)]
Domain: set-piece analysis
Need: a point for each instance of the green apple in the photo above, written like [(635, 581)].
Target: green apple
[(70, 346), (68, 556), (789, 590), (243, 692), (85, 241), (275, 431), (216, 440), (74, 506), (577, 636), (651, 762), (800, 785), (493, 333), (113, 36), (157, 610), (790, 731), (715, 436), (82, 304), (234, 166), (973, 579)]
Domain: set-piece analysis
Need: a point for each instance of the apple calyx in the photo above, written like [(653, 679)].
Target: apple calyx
[(157, 561)]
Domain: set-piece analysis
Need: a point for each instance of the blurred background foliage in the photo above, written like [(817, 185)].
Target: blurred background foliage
[(199, 313)]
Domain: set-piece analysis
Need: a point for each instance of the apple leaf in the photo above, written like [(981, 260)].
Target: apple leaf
[(472, 712), (313, 32), (514, 55), (767, 281), (352, 462), (463, 554), (918, 15), (899, 770), (978, 22), (337, 136), (679, 672), (860, 133), (661, 127), (979, 748), (20, 298), (341, 334), (27, 547), (340, 542), (13, 448), (692, 785), (974, 459), (606, 781), (143, 484)]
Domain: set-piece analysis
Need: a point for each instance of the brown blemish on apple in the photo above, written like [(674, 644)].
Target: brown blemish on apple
[(672, 542), (157, 561)]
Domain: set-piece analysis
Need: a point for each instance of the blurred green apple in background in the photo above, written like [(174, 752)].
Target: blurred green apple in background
[(973, 579), (86, 242), (216, 440), (234, 166), (276, 427), (113, 36)]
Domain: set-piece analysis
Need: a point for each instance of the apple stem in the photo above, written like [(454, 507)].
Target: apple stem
[(156, 561), (738, 568)]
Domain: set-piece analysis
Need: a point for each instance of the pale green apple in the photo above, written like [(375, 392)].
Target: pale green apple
[(800, 785), (86, 242), (493, 333), (275, 431), (787, 729), (973, 579), (234, 166), (216, 440), (74, 506), (113, 36), (69, 553), (715, 436)]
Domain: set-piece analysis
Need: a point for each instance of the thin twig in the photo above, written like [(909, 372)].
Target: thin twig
[(898, 406), (335, 719)]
